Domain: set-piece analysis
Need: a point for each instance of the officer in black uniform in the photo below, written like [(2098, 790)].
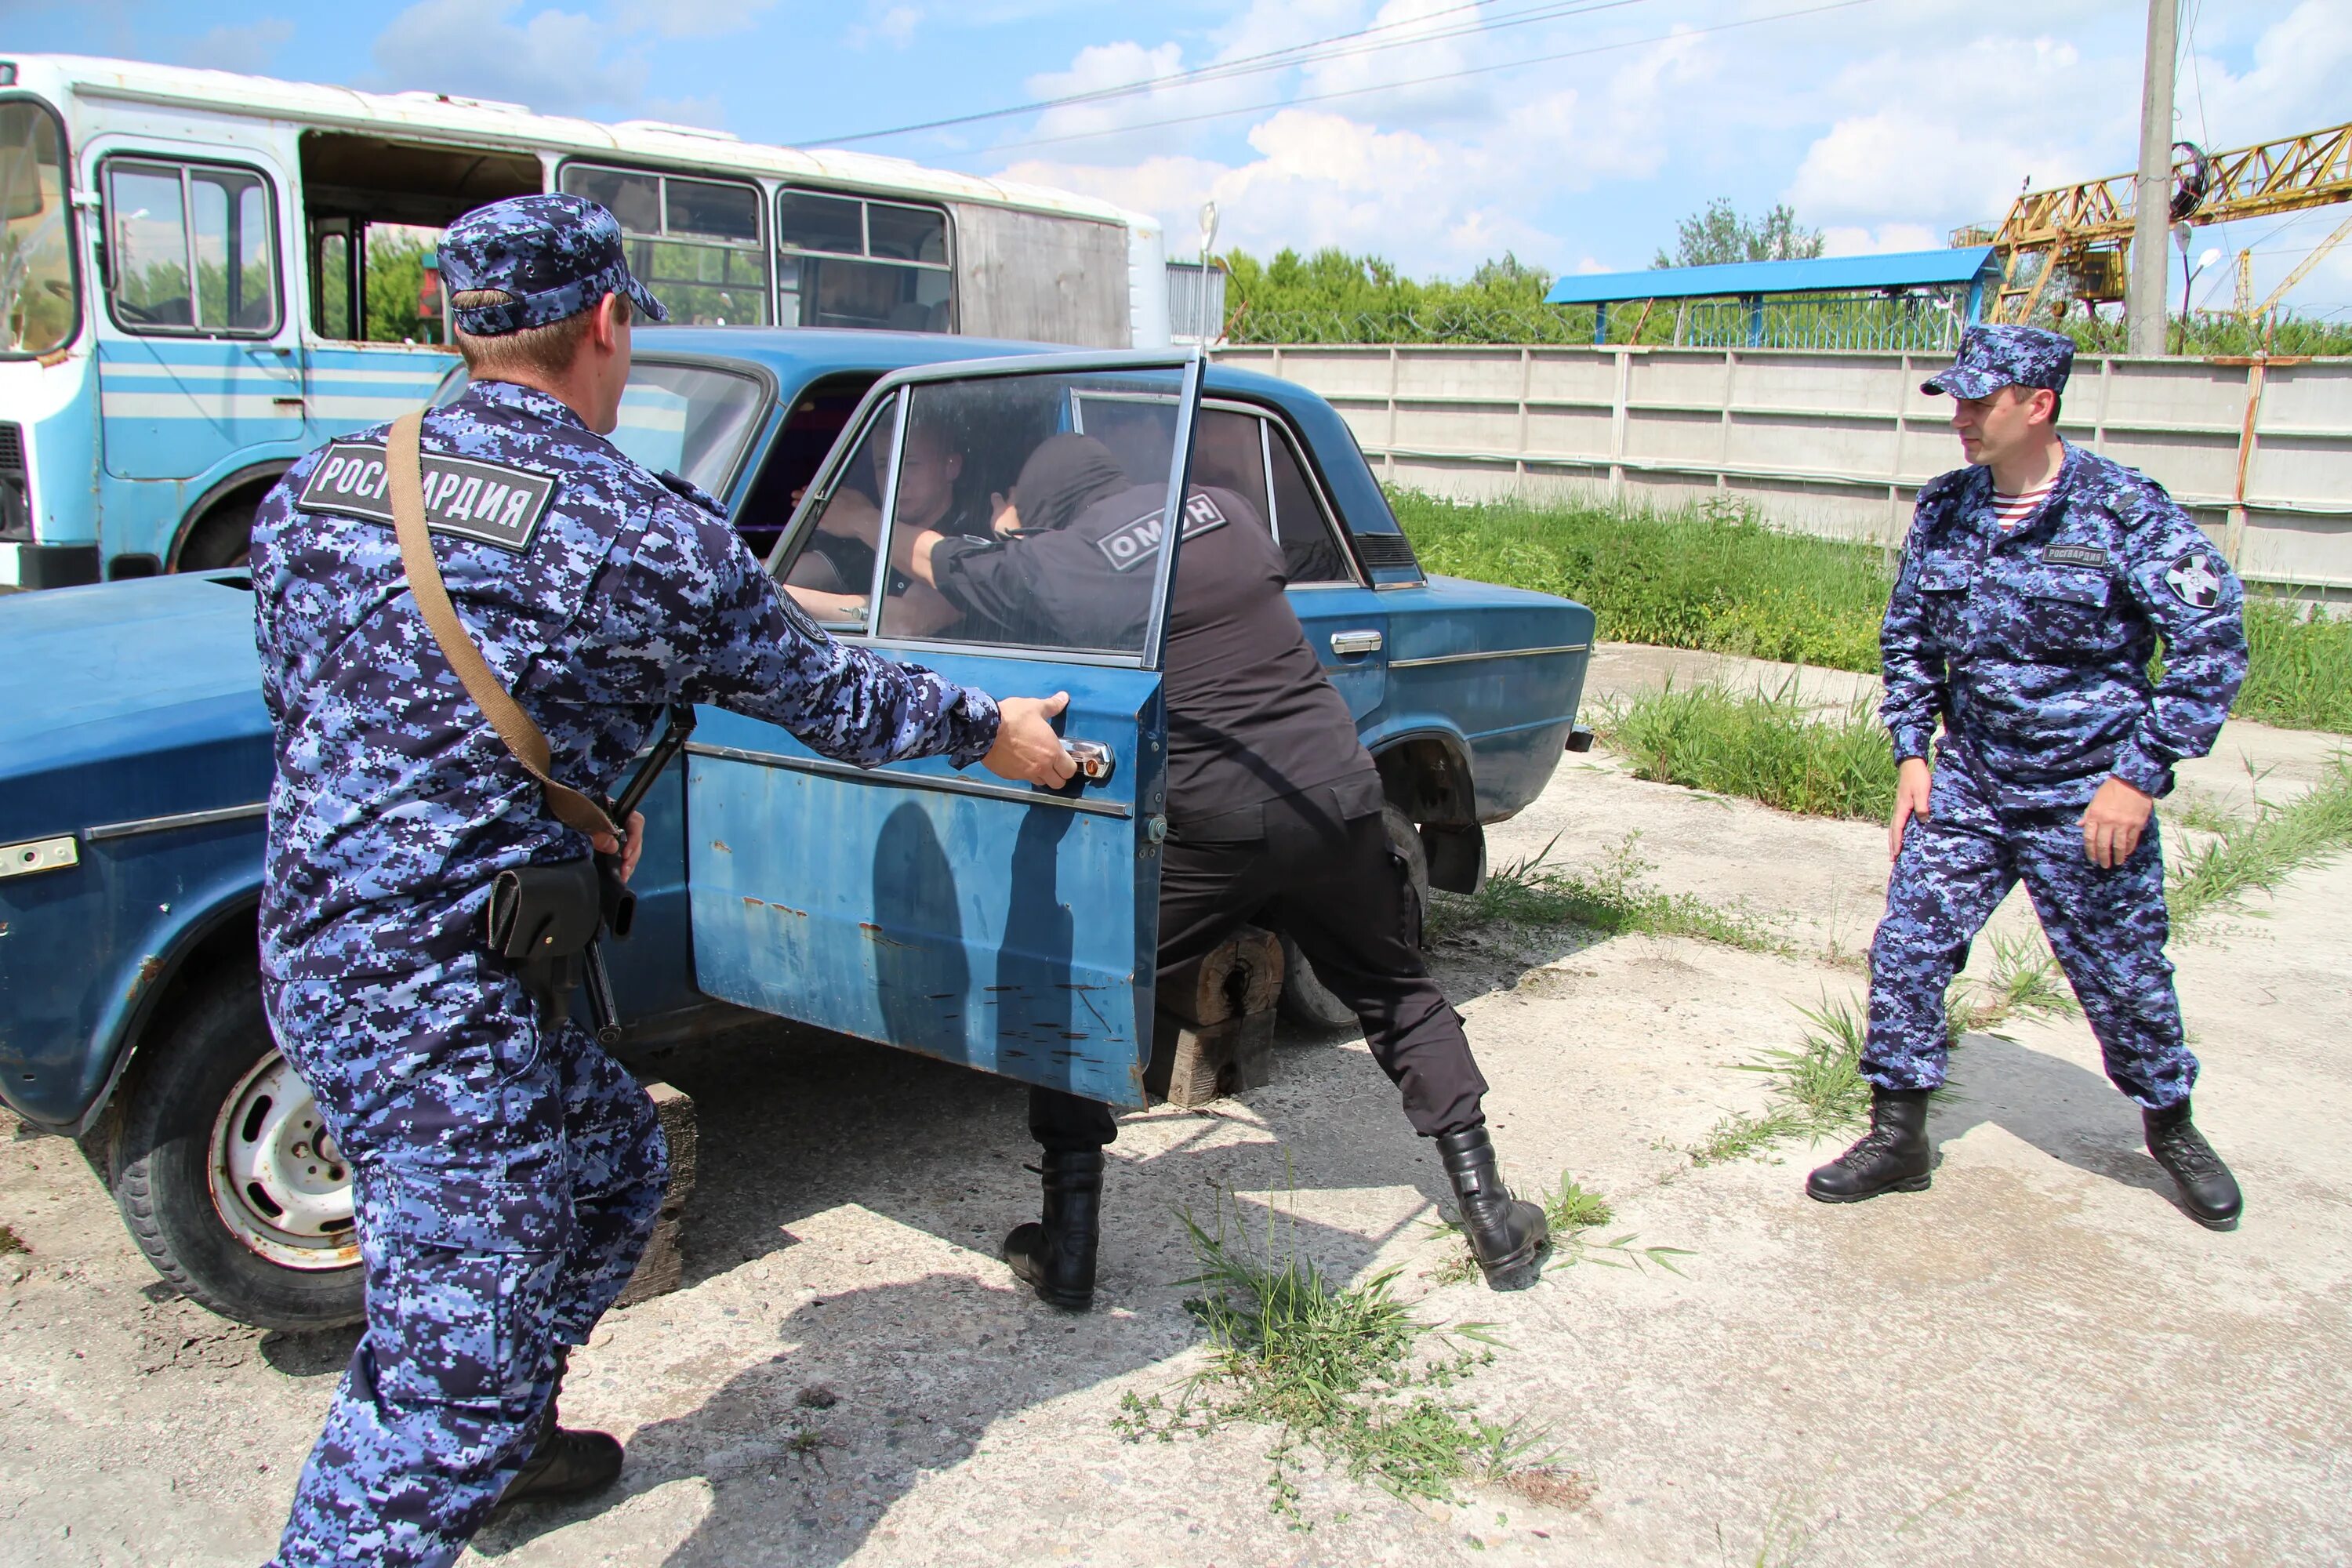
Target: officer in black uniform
[(1274, 813)]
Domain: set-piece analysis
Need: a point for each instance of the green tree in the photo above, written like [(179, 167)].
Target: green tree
[(1720, 233)]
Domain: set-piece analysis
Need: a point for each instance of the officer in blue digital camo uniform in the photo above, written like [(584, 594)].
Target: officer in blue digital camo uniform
[(2035, 587), (507, 1172)]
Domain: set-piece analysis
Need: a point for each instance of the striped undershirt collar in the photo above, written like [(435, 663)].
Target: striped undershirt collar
[(2009, 509)]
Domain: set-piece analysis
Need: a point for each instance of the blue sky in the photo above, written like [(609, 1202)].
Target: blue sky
[(1573, 133)]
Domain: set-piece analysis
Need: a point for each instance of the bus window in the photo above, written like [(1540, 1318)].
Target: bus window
[(694, 243), (846, 261), (38, 303), (172, 223)]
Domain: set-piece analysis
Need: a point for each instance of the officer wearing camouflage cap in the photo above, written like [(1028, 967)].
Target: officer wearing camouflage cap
[(506, 1171), (2035, 587)]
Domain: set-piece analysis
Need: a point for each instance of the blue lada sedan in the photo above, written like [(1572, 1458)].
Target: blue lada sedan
[(996, 925)]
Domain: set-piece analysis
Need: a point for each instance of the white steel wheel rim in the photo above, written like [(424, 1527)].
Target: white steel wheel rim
[(279, 1183)]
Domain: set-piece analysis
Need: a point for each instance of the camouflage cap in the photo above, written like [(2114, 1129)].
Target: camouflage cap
[(1993, 357), (556, 255)]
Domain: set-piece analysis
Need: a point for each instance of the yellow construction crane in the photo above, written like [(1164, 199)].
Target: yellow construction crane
[(2080, 235)]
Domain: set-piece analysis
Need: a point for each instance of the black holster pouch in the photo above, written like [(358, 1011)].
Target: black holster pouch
[(541, 918)]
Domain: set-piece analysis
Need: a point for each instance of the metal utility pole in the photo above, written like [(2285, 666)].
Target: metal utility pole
[(2152, 198)]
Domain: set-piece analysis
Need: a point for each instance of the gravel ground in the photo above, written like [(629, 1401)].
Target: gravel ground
[(2039, 1360)]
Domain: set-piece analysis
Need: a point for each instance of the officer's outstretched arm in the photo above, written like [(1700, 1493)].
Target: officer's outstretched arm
[(2182, 584)]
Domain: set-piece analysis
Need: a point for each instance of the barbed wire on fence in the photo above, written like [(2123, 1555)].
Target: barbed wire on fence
[(1883, 325)]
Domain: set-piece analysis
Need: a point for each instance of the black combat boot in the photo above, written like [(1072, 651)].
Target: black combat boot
[(564, 1463), (1056, 1254), (1507, 1235), (1892, 1157), (2208, 1190)]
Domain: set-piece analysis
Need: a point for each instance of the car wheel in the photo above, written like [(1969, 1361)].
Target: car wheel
[(227, 1178), (1304, 999)]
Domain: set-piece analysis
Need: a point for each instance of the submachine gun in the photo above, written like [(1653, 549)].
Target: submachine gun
[(545, 920)]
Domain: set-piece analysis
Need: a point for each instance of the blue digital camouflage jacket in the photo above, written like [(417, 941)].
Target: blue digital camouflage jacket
[(598, 592), (2034, 646)]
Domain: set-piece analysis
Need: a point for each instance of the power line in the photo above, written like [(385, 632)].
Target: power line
[(1417, 81), (1311, 53)]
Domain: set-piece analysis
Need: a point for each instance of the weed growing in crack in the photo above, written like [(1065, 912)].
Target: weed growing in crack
[(1819, 1088), (1614, 898), (1571, 1211), (1343, 1371), (11, 1242)]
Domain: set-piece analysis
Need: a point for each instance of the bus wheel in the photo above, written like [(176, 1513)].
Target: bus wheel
[(1304, 999), (225, 537), (228, 1177)]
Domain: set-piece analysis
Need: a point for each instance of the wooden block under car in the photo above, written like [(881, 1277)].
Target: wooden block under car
[(663, 1267), (1214, 1032)]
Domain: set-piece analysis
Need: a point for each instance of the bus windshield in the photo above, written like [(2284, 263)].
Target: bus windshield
[(38, 303)]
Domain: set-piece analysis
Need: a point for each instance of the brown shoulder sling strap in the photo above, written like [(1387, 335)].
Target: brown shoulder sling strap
[(405, 471)]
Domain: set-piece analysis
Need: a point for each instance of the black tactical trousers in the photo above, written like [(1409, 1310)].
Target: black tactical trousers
[(1317, 866)]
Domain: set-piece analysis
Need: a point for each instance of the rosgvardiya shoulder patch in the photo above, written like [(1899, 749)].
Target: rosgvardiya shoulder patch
[(492, 503)]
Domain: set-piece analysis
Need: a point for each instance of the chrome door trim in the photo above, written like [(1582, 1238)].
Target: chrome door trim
[(1489, 653), (178, 819)]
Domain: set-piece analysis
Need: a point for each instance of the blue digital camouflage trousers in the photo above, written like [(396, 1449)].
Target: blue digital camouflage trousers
[(2107, 929), (506, 1176)]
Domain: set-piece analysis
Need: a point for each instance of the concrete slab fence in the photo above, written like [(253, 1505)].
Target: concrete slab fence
[(1837, 443)]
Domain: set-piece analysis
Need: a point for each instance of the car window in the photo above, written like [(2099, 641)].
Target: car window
[(693, 421), (831, 571), (943, 459), (1311, 547)]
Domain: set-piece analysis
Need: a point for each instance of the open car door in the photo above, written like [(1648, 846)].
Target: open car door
[(996, 924)]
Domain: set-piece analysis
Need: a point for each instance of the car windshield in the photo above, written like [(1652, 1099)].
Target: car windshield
[(692, 420), (38, 302)]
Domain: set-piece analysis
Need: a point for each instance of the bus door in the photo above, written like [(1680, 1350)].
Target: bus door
[(199, 366), (953, 913)]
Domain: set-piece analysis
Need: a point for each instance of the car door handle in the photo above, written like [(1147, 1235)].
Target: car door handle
[(1345, 643), (1094, 758)]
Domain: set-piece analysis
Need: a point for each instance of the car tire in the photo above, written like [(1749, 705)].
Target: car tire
[(1304, 999), (202, 1157)]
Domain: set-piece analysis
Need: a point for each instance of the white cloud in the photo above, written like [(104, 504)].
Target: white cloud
[(555, 61), (1319, 177), (891, 25), (2295, 83), (1845, 240), (250, 48), (690, 18)]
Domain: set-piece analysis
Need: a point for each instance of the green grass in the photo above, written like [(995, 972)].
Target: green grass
[(1347, 1372), (1768, 746), (2298, 667), (1572, 1211), (1614, 898), (1818, 1088), (1716, 578), (2247, 855)]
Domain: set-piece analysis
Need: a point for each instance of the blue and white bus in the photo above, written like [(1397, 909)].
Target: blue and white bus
[(206, 275)]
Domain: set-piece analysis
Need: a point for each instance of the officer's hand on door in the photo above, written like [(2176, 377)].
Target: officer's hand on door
[(629, 849), (2112, 827), (1027, 746)]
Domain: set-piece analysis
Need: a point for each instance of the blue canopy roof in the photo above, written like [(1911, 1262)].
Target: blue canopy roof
[(1826, 274)]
